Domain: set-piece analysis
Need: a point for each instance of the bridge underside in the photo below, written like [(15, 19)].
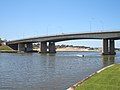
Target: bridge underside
[(45, 47), (22, 47)]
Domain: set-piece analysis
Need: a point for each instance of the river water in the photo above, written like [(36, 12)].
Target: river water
[(33, 71)]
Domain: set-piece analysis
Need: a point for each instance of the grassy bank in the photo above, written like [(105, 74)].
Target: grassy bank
[(108, 79), (5, 47)]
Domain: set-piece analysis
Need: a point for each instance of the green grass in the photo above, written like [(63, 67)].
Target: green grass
[(5, 48), (108, 79)]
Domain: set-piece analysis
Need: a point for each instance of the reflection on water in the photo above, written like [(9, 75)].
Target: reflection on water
[(49, 72), (108, 60)]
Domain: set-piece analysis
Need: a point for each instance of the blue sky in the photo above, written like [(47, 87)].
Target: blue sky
[(29, 18)]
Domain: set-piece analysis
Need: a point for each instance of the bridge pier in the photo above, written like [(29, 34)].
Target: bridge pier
[(29, 47), (105, 47), (21, 47), (52, 48), (112, 47), (108, 47), (43, 47)]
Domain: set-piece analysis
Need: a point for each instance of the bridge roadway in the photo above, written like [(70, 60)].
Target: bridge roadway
[(25, 45)]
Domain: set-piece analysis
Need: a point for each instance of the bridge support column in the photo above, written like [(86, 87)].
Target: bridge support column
[(52, 48), (29, 47), (108, 47), (112, 47), (105, 47), (43, 47), (21, 47)]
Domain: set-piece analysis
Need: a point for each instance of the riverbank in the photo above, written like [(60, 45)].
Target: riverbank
[(6, 49), (74, 49), (107, 79), (71, 49)]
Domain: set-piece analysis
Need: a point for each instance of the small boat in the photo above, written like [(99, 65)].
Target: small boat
[(80, 55)]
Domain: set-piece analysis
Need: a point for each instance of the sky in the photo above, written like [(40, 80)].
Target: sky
[(29, 18)]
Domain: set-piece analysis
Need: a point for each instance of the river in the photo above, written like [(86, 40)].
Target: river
[(34, 71)]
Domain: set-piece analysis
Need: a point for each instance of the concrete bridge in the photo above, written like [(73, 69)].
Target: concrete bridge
[(48, 42)]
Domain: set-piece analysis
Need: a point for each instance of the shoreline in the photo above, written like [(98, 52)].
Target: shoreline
[(91, 75), (69, 49), (75, 49), (8, 51)]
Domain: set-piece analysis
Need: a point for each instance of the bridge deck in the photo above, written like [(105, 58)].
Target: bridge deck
[(64, 37)]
